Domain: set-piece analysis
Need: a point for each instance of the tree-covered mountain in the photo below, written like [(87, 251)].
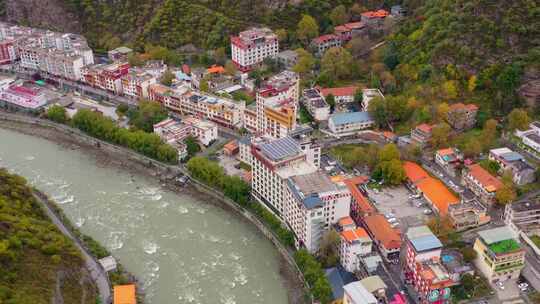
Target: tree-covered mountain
[(38, 264)]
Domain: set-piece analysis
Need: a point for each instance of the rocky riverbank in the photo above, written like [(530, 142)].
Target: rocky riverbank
[(106, 156)]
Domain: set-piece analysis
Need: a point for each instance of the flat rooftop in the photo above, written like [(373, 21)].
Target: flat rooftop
[(525, 206), (423, 239), (313, 183), (495, 235), (296, 168), (280, 149)]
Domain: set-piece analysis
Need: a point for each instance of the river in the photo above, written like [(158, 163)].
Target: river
[(182, 249)]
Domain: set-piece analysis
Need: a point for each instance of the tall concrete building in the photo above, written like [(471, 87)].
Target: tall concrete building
[(252, 46)]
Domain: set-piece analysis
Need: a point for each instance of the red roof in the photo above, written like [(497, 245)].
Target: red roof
[(216, 69), (375, 14), (354, 25), (346, 221), (354, 234), (359, 199), (324, 38), (342, 91), (382, 232), (425, 128), (414, 172), (488, 181)]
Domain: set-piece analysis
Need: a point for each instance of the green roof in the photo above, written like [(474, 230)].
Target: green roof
[(504, 246)]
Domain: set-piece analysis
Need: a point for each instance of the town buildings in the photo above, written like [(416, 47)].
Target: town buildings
[(323, 43), (136, 83), (349, 123), (250, 118), (342, 95), (293, 189), (58, 54), (499, 254), (360, 204), (356, 293), (531, 137), (387, 239), (432, 189), (462, 116), (252, 46), (468, 215), (316, 104), (481, 183), (107, 77), (287, 58), (423, 268), (368, 95), (421, 135), (18, 97), (450, 160), (508, 160), (277, 105), (120, 53), (523, 217), (348, 31), (355, 242), (172, 130), (374, 19)]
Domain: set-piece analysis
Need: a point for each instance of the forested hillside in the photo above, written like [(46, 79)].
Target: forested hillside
[(470, 50), (38, 264)]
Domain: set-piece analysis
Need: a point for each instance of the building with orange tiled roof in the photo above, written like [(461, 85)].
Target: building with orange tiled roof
[(462, 116), (348, 30), (124, 294), (346, 223), (355, 242), (374, 18), (324, 42), (450, 159), (360, 205), (341, 94), (421, 134), (433, 190), (387, 239), (481, 183)]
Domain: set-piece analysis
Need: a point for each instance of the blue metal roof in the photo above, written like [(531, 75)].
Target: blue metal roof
[(349, 117), (426, 242), (512, 156), (182, 76), (280, 148), (313, 201)]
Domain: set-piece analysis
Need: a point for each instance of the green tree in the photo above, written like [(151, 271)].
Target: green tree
[(491, 166), (505, 195), (305, 62), (391, 171), (440, 134), (489, 134), (338, 63), (192, 145), (331, 101), (57, 113), (146, 115), (389, 152), (329, 248), (230, 68), (307, 29), (339, 15), (167, 78), (282, 35), (518, 119)]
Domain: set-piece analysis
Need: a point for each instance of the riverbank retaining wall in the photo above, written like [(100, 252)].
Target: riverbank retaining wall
[(163, 170)]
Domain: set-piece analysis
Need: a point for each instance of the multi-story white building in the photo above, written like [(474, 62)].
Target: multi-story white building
[(58, 54), (349, 123), (342, 95), (185, 101), (172, 130), (252, 46), (250, 118), (296, 191), (316, 104), (523, 217), (356, 293), (354, 243), (368, 95), (277, 105), (508, 160), (531, 137)]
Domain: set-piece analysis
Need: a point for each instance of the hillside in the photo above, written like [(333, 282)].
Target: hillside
[(481, 49), (38, 264)]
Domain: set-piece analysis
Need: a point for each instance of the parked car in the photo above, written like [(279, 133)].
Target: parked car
[(427, 211), (389, 215), (394, 225), (392, 220)]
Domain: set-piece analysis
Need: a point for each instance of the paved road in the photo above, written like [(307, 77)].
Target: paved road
[(96, 271)]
